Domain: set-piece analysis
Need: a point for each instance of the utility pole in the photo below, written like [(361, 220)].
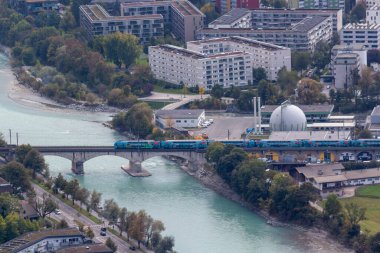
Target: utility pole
[(17, 139), (10, 136), (228, 134)]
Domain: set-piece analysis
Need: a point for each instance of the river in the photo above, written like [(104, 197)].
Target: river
[(199, 219)]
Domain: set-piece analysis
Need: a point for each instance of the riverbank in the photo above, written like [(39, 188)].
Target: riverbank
[(314, 239)]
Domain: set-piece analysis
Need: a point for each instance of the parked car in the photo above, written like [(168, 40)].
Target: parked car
[(211, 120), (103, 233), (57, 211), (132, 248), (104, 229)]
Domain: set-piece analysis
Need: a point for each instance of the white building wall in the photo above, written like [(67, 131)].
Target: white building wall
[(368, 37), (181, 122), (53, 244)]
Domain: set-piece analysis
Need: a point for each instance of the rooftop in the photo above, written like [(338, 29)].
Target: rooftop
[(375, 7), (98, 13), (307, 109), (311, 171), (31, 238), (308, 23), (347, 56), (241, 40), (88, 248), (186, 8), (180, 50), (231, 16), (40, 1), (310, 11), (179, 114), (376, 111), (354, 47), (307, 135), (145, 4), (361, 26), (3, 181)]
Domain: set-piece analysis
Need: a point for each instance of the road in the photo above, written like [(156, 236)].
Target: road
[(69, 214)]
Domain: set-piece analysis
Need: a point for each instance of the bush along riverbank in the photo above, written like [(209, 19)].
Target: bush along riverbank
[(278, 198)]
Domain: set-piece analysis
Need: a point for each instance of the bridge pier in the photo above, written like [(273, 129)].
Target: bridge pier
[(135, 169), (77, 167)]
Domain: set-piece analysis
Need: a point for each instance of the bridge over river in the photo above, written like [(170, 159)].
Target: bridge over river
[(281, 157)]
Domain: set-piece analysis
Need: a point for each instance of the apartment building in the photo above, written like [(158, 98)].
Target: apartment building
[(357, 49), (364, 34), (185, 19), (224, 6), (372, 16), (236, 18), (303, 35), (345, 65), (370, 3), (268, 56), (322, 4), (283, 18), (33, 7), (182, 66), (95, 20)]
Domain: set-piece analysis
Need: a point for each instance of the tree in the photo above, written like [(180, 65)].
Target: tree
[(8, 204), (358, 12), (214, 152), (259, 74), (321, 56), (95, 200), (165, 245), (16, 174), (300, 60), (366, 81), (72, 188), (229, 162), (2, 140), (35, 161), (155, 227), (373, 55), (21, 152), (59, 183), (67, 22), (121, 48), (332, 206), (217, 91), (365, 134), (309, 92), (82, 196), (111, 244), (111, 210), (355, 214), (89, 233), (209, 10), (62, 224), (138, 120), (44, 206), (267, 92), (375, 243), (123, 220), (138, 227), (287, 81)]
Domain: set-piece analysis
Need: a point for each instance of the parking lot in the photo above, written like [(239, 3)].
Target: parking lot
[(224, 126)]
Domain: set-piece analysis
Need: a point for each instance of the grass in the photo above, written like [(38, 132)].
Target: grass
[(161, 89), (155, 105), (372, 223), (371, 191), (70, 203)]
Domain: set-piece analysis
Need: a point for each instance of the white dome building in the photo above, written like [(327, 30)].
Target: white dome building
[(288, 117)]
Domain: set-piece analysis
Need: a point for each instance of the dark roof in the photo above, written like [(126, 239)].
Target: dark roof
[(321, 169), (308, 23), (31, 238), (305, 108), (3, 181), (231, 16), (179, 114), (87, 248)]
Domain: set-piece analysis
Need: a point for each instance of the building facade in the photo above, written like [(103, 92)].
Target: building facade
[(363, 34), (224, 6), (322, 4), (95, 20), (357, 49), (268, 56), (33, 7), (303, 35), (236, 18), (345, 66), (183, 17), (372, 15), (179, 118), (370, 3), (181, 66)]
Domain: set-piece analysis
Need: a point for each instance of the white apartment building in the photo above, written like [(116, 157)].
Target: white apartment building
[(181, 66), (364, 34), (344, 68), (268, 56), (236, 18), (357, 49), (370, 3), (372, 15)]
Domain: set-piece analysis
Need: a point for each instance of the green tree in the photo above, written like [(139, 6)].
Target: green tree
[(268, 92), (123, 220), (22, 151), (354, 213), (111, 244), (60, 183), (16, 174), (259, 74), (310, 92), (365, 134), (2, 140), (62, 224), (67, 22), (229, 162), (375, 243), (332, 206), (165, 245), (72, 188), (217, 91), (287, 81), (111, 210), (155, 227), (44, 206), (215, 151), (95, 200), (139, 226), (209, 10), (8, 204), (82, 196), (35, 161), (300, 60), (322, 54), (358, 12)]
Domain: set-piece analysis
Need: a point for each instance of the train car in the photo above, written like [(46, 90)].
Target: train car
[(184, 144), (370, 143), (237, 143), (136, 144)]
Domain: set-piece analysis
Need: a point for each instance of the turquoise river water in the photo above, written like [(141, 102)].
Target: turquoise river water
[(199, 219)]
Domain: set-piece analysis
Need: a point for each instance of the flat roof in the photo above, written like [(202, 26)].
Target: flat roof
[(331, 124), (361, 26), (342, 117), (240, 40), (186, 8), (355, 47), (307, 109), (347, 55), (308, 23), (317, 11), (145, 4), (98, 13), (87, 248), (318, 170), (179, 114), (180, 50), (31, 238), (231, 16)]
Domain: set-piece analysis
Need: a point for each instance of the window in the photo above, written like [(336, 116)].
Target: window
[(178, 121)]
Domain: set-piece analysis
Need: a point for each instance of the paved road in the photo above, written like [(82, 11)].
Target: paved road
[(70, 215)]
